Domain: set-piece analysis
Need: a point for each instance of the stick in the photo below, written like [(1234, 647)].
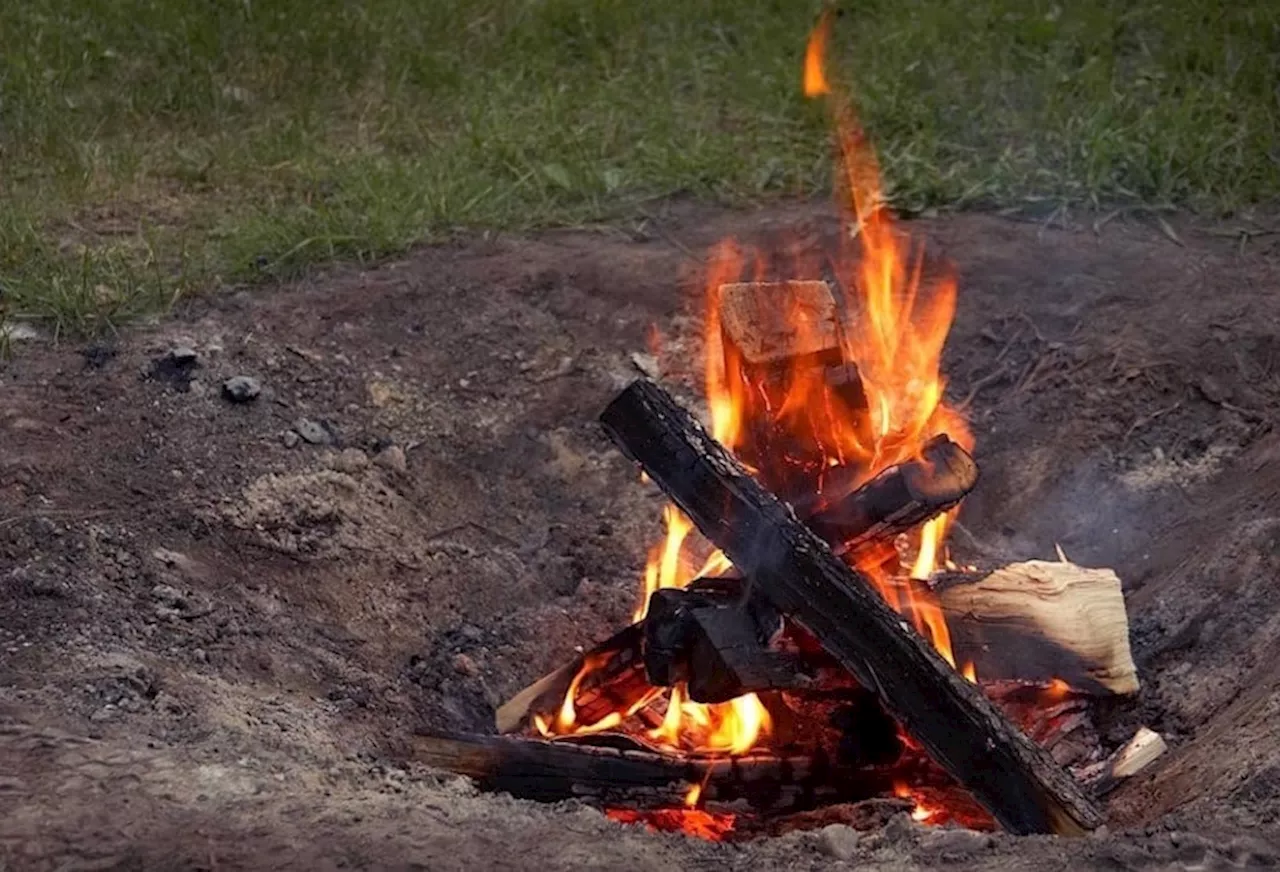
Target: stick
[(795, 570)]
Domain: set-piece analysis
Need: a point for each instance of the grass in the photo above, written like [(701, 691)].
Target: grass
[(149, 147)]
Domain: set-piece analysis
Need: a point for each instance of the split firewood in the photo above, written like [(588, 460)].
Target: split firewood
[(554, 771), (1132, 757), (1039, 620), (963, 731)]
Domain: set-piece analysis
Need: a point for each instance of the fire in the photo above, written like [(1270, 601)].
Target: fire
[(895, 321)]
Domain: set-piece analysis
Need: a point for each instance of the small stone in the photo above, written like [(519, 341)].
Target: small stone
[(392, 457), (168, 595), (839, 841), (900, 828), (349, 461), (241, 389), (955, 843), (646, 364), (183, 355), (291, 439), (464, 665), (46, 586), (312, 432)]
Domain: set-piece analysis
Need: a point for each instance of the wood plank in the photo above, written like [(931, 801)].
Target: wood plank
[(1022, 787)]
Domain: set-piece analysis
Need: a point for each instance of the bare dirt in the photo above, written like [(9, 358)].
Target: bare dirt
[(220, 622)]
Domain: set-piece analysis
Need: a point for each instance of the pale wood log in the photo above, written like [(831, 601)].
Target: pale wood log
[(1039, 620), (775, 322)]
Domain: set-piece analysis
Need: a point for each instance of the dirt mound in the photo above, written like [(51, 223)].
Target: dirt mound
[(220, 620)]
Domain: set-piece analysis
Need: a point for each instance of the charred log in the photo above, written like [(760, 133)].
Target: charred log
[(891, 503), (1022, 787), (552, 771)]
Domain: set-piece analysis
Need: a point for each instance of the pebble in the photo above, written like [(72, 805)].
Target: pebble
[(349, 460), (291, 439), (839, 841), (312, 432), (464, 665), (241, 389), (183, 355), (900, 828), (392, 457), (955, 843)]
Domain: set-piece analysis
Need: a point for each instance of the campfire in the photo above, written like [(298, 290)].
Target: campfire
[(803, 650)]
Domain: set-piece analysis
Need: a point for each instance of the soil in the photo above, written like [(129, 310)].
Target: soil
[(222, 621)]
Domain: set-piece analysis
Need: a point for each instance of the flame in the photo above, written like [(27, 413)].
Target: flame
[(924, 811), (804, 427)]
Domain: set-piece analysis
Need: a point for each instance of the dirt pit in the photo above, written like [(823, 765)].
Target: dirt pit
[(220, 621)]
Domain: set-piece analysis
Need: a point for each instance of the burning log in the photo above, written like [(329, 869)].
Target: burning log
[(708, 638), (897, 500), (618, 683), (891, 503), (1037, 620), (1022, 787), (776, 336), (553, 771)]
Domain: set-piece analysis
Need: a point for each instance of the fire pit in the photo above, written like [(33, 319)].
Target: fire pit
[(815, 655)]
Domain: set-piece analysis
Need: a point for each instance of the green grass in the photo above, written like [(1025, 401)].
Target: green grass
[(148, 147)]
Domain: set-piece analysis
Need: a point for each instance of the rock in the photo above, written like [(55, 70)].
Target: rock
[(349, 461), (169, 595), (291, 439), (839, 841), (241, 389), (312, 432), (647, 364), (176, 368), (901, 828), (464, 665), (955, 843), (392, 457)]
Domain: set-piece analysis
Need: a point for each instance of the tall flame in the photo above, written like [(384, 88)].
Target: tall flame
[(892, 332)]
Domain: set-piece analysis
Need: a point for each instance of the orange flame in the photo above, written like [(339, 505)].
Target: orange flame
[(890, 330)]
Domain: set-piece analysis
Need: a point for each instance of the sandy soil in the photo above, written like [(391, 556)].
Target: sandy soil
[(219, 622)]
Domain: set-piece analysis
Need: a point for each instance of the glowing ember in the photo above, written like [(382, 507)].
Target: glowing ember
[(691, 821)]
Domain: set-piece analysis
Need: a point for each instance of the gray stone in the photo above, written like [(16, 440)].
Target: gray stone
[(349, 461), (291, 439), (901, 828), (955, 843), (392, 457), (312, 432), (839, 841), (183, 355), (241, 389)]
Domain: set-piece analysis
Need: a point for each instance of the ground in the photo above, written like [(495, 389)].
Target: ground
[(217, 636)]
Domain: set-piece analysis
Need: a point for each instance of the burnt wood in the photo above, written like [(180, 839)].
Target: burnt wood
[(705, 637), (787, 563), (547, 771), (892, 502), (897, 499)]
